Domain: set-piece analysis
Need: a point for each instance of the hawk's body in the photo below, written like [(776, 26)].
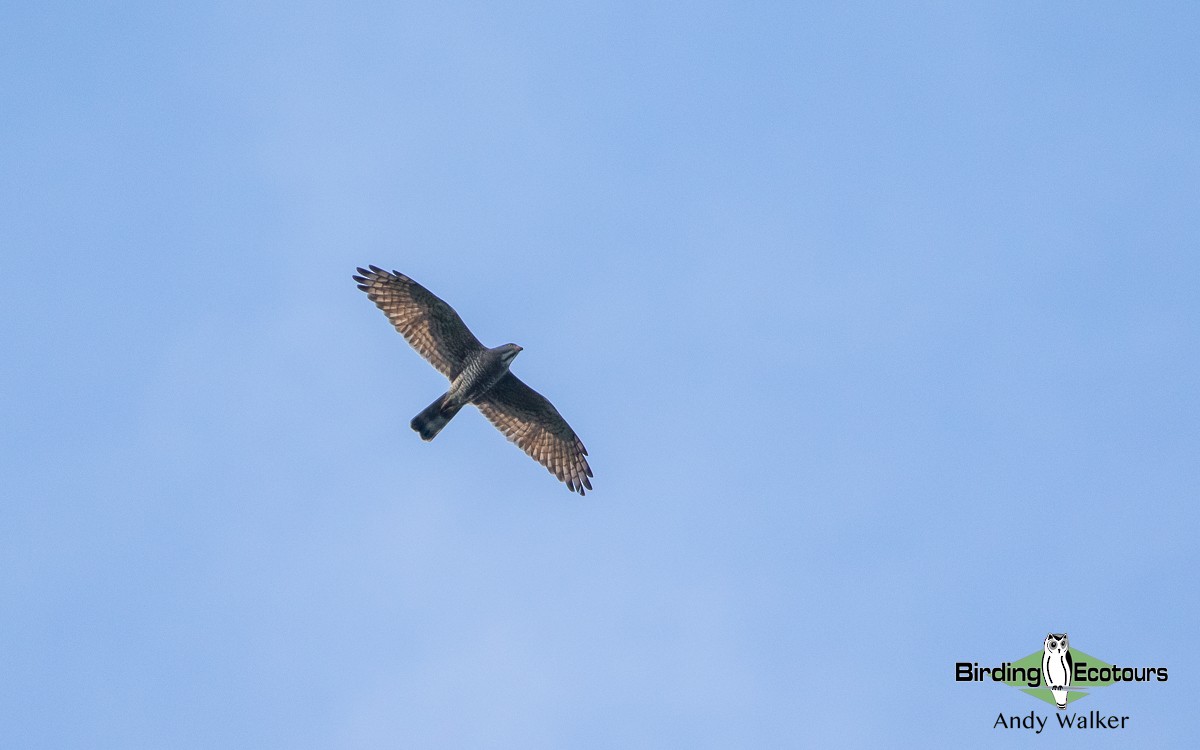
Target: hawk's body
[(478, 375)]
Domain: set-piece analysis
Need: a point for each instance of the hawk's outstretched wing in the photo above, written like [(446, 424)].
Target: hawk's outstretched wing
[(529, 420), (427, 322)]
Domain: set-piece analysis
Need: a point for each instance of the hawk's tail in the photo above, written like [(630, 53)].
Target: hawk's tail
[(434, 417)]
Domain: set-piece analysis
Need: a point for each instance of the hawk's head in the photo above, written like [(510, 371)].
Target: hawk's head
[(508, 352)]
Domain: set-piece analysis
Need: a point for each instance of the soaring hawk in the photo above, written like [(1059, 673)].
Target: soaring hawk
[(478, 375)]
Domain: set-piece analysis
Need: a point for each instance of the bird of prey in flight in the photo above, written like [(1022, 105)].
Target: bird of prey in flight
[(478, 375)]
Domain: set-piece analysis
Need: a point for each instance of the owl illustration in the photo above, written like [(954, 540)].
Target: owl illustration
[(1057, 667)]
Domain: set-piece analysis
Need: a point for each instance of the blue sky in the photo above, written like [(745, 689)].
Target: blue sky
[(879, 322)]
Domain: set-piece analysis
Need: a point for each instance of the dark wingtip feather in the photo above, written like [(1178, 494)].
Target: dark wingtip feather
[(377, 269)]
